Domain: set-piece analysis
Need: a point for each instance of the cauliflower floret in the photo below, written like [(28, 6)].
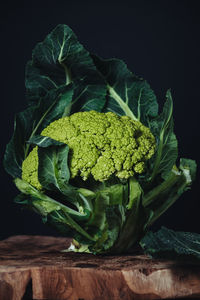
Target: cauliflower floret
[(101, 145), (30, 169)]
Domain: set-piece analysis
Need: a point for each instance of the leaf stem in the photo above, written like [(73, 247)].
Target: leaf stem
[(151, 196), (36, 128), (121, 103)]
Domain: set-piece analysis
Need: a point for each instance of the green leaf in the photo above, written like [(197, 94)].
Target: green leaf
[(54, 174), (115, 193), (16, 148), (53, 168), (127, 94), (55, 62), (167, 243), (46, 206), (60, 60), (64, 217), (30, 123), (167, 149), (89, 94), (134, 220), (189, 167), (64, 222), (135, 192), (108, 215), (98, 217), (160, 198), (115, 217)]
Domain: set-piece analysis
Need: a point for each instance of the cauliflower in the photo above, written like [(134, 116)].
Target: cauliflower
[(88, 174), (101, 145)]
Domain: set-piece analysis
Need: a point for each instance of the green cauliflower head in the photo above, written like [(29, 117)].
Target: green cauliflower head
[(101, 145)]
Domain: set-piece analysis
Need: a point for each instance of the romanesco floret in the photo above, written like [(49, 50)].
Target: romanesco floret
[(30, 169), (101, 145)]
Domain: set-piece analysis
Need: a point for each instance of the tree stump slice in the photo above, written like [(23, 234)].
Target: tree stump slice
[(53, 274)]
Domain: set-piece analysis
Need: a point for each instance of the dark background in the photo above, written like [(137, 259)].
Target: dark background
[(159, 40)]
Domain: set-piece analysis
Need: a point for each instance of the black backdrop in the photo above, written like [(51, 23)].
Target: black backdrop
[(159, 40)]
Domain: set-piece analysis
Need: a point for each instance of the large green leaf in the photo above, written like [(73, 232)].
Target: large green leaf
[(59, 60), (167, 243), (127, 94), (55, 62), (31, 122), (167, 149)]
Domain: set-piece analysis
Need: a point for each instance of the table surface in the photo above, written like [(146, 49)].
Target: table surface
[(34, 267)]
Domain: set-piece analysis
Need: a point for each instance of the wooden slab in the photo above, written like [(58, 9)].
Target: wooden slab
[(38, 261)]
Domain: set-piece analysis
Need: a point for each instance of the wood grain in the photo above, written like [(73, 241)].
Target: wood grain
[(57, 275)]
